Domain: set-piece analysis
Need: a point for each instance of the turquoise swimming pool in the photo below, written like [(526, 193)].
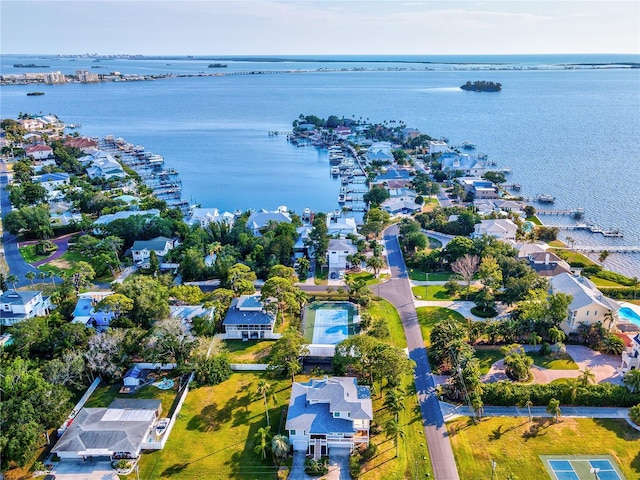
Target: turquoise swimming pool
[(629, 315)]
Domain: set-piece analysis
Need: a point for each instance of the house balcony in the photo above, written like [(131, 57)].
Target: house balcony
[(630, 361)]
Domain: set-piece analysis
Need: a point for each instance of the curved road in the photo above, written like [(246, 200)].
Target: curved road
[(398, 292), (17, 266)]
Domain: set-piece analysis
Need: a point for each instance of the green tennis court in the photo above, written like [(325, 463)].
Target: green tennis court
[(582, 467), (329, 323)]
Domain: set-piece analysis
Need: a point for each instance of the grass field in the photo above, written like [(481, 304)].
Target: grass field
[(103, 396), (429, 316), (29, 255), (251, 351), (489, 355), (384, 309), (420, 276), (516, 448)]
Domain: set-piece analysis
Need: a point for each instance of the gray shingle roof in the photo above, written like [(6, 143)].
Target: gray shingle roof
[(14, 297), (336, 394)]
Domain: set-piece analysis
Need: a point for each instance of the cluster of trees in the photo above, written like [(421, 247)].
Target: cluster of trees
[(438, 220)]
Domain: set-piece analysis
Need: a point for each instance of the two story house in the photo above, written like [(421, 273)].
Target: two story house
[(327, 413), (141, 249), (337, 254), (631, 358), (247, 318), (16, 306)]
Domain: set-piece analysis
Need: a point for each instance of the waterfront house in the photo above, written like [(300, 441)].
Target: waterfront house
[(337, 225), (141, 249), (333, 412), (548, 264), (248, 318), (112, 217), (121, 430), (380, 153), (480, 188), (84, 144), (461, 162), (337, 253), (438, 146), (16, 306), (39, 152), (302, 247), (205, 216), (502, 229), (631, 355), (401, 205), (52, 182), (588, 304), (259, 220)]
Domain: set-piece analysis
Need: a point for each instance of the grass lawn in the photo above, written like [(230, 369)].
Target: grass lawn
[(601, 282), (420, 276), (382, 308), (29, 255), (321, 276), (429, 316), (535, 220), (573, 257), (487, 357), (213, 436), (368, 277), (562, 362), (104, 395), (251, 351), (67, 264), (507, 442)]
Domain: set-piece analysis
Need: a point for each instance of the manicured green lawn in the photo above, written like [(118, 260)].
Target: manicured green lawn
[(421, 276), (382, 308), (431, 292), (29, 255), (213, 436), (563, 362), (251, 351), (506, 441), (104, 395), (487, 357), (535, 220), (368, 277), (429, 316), (601, 282)]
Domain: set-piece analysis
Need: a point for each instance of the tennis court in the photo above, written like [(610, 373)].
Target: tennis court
[(329, 323), (573, 467)]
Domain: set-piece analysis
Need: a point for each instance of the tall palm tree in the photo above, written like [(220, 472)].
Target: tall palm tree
[(12, 279), (265, 390), (31, 276), (632, 380), (279, 448), (634, 284), (478, 406), (554, 408), (394, 402), (610, 318), (529, 404), (393, 429), (262, 441), (586, 377)]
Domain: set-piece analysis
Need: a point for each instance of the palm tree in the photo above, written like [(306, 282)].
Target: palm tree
[(262, 441), (534, 339), (31, 276), (279, 448), (556, 335), (554, 408), (634, 284), (52, 276), (42, 276), (610, 318), (529, 404), (586, 377), (265, 390), (632, 380), (375, 264), (12, 279), (393, 429), (394, 402), (294, 368), (603, 256), (478, 406), (571, 241)]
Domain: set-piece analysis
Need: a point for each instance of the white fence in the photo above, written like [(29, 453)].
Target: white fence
[(249, 367), (153, 366)]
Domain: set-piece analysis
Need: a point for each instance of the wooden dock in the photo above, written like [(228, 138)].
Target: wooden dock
[(573, 212), (591, 228), (608, 248)]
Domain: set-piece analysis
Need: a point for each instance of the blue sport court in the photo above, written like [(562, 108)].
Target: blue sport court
[(329, 323), (573, 467)]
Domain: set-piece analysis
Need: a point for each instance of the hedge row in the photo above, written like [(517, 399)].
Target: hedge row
[(508, 394)]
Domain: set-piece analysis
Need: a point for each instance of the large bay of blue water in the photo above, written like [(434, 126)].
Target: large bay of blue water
[(570, 132)]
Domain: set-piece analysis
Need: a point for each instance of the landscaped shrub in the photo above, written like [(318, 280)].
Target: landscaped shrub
[(369, 452), (478, 312), (316, 468), (634, 414), (354, 464), (599, 395)]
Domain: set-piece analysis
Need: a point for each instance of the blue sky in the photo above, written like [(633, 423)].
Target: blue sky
[(299, 27)]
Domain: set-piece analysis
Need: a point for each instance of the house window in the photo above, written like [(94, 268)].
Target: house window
[(587, 314), (336, 414), (292, 433)]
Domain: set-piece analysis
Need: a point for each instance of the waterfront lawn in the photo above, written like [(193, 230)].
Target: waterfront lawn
[(535, 220), (509, 443), (573, 258), (251, 351), (429, 316), (213, 435)]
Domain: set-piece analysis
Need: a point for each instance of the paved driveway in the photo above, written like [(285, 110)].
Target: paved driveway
[(79, 470)]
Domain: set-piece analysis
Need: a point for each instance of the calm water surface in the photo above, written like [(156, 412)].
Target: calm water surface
[(569, 133)]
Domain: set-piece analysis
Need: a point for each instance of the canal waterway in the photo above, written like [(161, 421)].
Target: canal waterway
[(567, 132)]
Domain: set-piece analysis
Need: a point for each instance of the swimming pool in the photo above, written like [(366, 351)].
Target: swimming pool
[(629, 315)]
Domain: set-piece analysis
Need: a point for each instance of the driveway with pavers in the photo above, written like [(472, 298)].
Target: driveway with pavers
[(79, 470)]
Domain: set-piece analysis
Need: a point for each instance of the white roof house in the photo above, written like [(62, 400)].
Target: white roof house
[(258, 220), (204, 216), (339, 225), (502, 229), (20, 305), (338, 251), (589, 305)]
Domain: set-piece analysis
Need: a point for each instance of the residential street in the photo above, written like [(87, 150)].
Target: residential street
[(17, 266), (398, 292)]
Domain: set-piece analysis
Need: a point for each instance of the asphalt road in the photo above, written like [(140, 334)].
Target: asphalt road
[(17, 266), (398, 291)]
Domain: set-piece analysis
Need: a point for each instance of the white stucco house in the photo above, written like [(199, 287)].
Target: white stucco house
[(259, 220), (588, 306), (39, 152), (205, 216), (337, 253), (502, 229), (141, 249), (333, 412)]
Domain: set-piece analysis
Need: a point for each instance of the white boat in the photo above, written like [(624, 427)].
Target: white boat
[(335, 171), (342, 198), (468, 145), (161, 427)]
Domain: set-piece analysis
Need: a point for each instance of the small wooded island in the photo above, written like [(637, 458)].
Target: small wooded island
[(34, 94), (218, 65), (481, 86)]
